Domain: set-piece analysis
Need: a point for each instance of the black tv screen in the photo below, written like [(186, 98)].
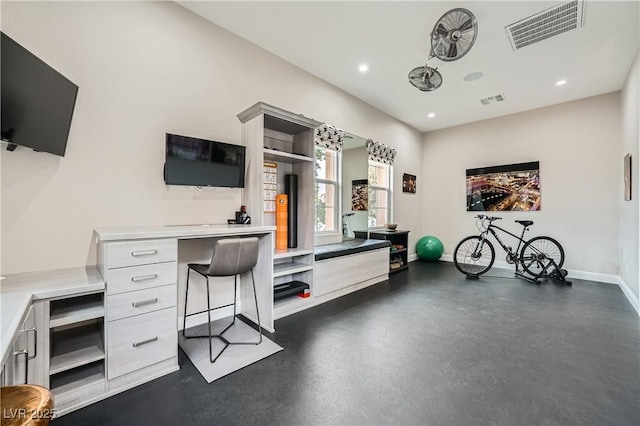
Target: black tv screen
[(201, 162), (37, 101)]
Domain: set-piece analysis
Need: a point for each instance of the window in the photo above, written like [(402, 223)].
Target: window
[(379, 194), (327, 190)]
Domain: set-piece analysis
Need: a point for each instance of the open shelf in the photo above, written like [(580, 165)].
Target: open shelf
[(398, 251), (290, 305), (72, 380), (75, 347), (402, 268), (292, 252), (289, 289), (284, 157), (76, 309), (288, 268)]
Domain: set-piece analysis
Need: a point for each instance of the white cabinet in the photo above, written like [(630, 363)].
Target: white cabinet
[(26, 362), (141, 315), (274, 135), (341, 272)]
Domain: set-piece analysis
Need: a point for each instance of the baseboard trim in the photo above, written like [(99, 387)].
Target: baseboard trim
[(630, 296), (571, 273), (581, 275)]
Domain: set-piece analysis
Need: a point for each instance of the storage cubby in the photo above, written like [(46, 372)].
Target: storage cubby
[(76, 378), (76, 348), (76, 309)]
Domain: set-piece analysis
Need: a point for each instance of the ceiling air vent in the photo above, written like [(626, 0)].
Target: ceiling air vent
[(492, 99), (551, 22)]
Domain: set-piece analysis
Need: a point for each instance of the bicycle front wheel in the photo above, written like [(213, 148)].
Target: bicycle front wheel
[(537, 252), (474, 256)]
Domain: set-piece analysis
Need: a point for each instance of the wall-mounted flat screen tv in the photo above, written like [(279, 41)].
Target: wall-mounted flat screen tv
[(37, 101), (201, 162)]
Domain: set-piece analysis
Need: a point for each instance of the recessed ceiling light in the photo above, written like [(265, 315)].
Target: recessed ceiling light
[(477, 75), (431, 114), (561, 82), (363, 68)]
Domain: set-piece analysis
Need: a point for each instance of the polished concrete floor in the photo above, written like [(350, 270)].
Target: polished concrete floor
[(425, 348)]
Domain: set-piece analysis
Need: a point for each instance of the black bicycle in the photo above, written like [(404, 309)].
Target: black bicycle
[(539, 257)]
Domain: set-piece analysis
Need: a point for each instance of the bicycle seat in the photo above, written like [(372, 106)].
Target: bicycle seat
[(525, 223)]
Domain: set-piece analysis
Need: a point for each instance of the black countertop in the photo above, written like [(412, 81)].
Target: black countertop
[(352, 246)]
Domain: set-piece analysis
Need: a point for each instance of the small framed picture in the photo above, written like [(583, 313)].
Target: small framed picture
[(408, 183), (359, 195)]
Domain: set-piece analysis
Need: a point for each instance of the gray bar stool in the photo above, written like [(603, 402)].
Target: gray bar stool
[(231, 256)]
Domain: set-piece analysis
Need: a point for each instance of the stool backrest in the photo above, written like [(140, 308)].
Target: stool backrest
[(233, 256)]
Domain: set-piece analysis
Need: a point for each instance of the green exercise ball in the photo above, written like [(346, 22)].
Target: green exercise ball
[(429, 248)]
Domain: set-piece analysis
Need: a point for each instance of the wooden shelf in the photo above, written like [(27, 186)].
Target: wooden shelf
[(76, 309), (284, 157), (76, 347), (292, 252), (288, 268)]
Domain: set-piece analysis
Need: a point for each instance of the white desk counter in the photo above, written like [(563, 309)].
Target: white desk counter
[(19, 290), (132, 233)]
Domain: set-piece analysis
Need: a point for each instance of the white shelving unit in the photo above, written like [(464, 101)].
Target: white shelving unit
[(272, 134), (77, 355)]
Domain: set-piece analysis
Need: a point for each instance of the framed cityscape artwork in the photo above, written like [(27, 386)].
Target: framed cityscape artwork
[(512, 187)]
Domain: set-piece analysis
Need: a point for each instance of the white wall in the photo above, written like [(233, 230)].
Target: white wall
[(629, 214), (579, 148), (144, 69)]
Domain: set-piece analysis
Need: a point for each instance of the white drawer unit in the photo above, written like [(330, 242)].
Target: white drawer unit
[(141, 340), (141, 315), (121, 280), (131, 253), (140, 302)]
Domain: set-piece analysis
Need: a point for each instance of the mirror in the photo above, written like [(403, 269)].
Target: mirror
[(355, 165)]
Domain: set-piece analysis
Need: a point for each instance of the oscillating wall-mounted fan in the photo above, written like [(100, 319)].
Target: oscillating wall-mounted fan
[(452, 37), (425, 78)]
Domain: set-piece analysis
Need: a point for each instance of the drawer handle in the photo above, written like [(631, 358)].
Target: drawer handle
[(143, 253), (144, 342), (144, 302), (144, 278)]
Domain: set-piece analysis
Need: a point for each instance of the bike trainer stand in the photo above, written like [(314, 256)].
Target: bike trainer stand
[(556, 274)]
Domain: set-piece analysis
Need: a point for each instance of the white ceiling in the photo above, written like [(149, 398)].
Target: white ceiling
[(331, 38)]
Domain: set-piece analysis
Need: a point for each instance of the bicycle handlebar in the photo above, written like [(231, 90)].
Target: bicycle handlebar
[(489, 218)]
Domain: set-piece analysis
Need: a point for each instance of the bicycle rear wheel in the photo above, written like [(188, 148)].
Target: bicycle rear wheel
[(536, 252), (473, 256)]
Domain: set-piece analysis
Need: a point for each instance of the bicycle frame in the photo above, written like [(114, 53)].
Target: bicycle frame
[(512, 255)]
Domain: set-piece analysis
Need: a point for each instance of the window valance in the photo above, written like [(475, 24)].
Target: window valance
[(380, 152), (329, 137)]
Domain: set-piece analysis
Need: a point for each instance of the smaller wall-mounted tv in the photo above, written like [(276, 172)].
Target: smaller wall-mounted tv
[(201, 162), (37, 101)]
